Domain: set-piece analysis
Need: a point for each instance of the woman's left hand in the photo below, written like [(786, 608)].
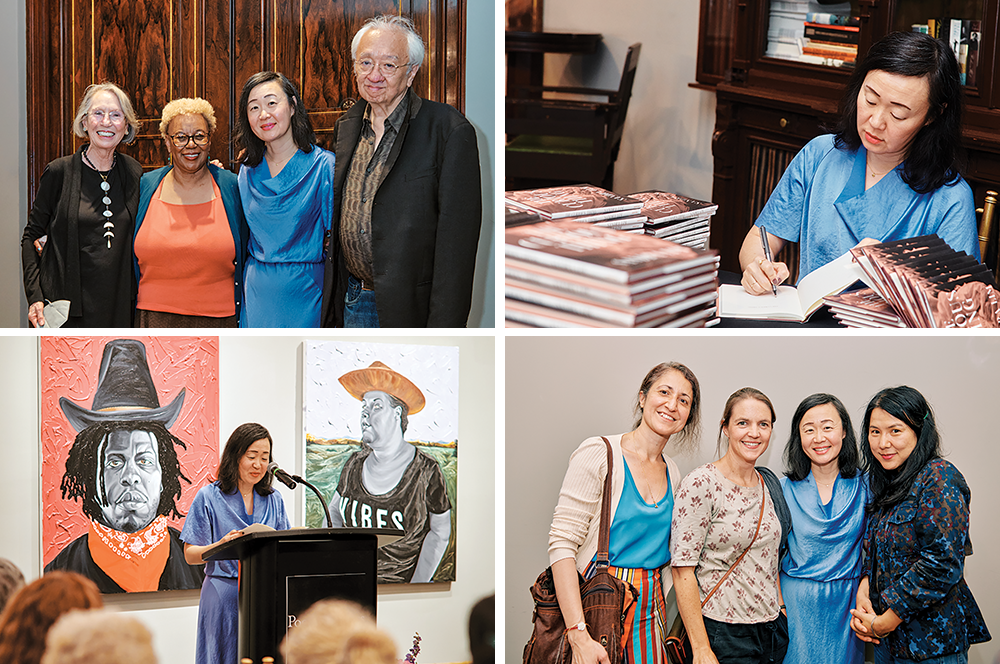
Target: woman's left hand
[(861, 623)]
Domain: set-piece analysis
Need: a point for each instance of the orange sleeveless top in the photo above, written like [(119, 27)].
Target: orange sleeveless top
[(186, 258)]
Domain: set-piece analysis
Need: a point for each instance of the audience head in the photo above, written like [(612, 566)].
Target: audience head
[(334, 630), (11, 580), (30, 613), (85, 637), (482, 631), (821, 422)]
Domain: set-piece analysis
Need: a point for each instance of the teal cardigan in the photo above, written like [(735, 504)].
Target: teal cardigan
[(230, 191)]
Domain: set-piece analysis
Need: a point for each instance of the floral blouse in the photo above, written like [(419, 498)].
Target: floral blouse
[(915, 557)]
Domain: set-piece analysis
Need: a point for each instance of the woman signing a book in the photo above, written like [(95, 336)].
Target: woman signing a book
[(643, 481), (891, 170)]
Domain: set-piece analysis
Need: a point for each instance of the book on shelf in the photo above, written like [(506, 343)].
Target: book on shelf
[(975, 34), (826, 18), (835, 51), (928, 284), (793, 303), (600, 252), (570, 201), (831, 34)]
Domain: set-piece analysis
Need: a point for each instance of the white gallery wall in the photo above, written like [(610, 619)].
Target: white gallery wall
[(667, 142), (560, 391), (261, 381)]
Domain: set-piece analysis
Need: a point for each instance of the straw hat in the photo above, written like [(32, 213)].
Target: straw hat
[(380, 377)]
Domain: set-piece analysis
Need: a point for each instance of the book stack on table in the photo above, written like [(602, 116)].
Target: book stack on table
[(677, 218), (568, 274), (926, 284), (581, 202), (863, 309)]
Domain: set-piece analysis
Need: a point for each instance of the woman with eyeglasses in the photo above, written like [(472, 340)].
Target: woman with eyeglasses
[(76, 249), (190, 235), (286, 183)]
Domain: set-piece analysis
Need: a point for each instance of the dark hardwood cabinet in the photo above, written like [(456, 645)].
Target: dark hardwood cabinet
[(769, 104), (158, 50)]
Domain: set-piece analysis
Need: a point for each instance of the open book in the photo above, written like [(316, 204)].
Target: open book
[(792, 303)]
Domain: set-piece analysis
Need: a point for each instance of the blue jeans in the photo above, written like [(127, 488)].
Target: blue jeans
[(883, 656), (359, 305)]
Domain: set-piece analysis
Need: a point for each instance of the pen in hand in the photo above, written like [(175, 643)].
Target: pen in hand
[(767, 254)]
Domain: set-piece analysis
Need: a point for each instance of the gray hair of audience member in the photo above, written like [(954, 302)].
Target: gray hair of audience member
[(97, 635), (414, 44), (11, 580), (334, 630)]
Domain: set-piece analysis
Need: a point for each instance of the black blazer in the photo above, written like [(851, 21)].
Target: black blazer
[(425, 219), (55, 275)]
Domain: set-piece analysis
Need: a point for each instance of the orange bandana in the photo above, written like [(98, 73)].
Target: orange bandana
[(134, 561)]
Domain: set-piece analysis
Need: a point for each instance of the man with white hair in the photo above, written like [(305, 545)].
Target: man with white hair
[(408, 200)]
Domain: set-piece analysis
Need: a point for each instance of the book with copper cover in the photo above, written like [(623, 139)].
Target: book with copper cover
[(570, 201), (664, 208), (515, 216), (602, 253), (863, 308)]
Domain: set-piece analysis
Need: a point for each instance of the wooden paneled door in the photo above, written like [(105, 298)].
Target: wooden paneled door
[(158, 50)]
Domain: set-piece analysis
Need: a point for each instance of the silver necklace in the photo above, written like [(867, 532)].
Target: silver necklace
[(109, 226)]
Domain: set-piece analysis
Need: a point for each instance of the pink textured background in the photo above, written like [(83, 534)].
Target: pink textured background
[(69, 368)]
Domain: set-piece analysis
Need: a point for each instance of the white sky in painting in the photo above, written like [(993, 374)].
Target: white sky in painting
[(330, 412)]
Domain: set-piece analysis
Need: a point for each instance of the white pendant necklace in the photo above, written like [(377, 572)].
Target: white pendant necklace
[(109, 226)]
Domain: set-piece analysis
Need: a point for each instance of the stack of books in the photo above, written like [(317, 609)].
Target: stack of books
[(785, 34), (581, 202), (831, 37), (926, 284), (677, 218), (568, 274), (862, 309), (515, 216)]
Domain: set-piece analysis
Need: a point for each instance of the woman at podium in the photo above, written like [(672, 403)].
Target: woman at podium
[(241, 496)]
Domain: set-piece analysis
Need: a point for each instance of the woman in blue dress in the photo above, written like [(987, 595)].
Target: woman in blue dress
[(826, 495), (286, 183), (221, 510), (891, 171)]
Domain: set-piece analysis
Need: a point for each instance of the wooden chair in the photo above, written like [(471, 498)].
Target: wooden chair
[(986, 232), (567, 140)]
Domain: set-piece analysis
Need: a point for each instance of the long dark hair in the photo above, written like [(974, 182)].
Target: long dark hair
[(889, 487), (247, 142), (239, 441), (797, 463), (691, 433), (935, 156), (86, 456)]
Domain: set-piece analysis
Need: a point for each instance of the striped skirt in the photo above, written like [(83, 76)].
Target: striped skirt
[(644, 622)]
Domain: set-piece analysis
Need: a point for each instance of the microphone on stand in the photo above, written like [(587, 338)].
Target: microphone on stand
[(281, 475), (291, 480)]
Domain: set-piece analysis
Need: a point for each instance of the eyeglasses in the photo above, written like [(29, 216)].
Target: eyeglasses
[(114, 116), (181, 141), (387, 69)]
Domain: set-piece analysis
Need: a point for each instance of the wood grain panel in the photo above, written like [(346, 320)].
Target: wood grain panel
[(158, 50)]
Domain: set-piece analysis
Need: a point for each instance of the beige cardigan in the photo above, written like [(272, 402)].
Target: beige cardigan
[(575, 524)]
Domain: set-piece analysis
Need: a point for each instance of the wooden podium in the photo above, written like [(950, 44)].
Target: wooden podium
[(284, 572)]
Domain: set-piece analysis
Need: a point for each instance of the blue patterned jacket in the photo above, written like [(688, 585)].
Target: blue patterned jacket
[(920, 546)]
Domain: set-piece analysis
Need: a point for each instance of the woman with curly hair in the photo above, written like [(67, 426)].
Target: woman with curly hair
[(30, 613)]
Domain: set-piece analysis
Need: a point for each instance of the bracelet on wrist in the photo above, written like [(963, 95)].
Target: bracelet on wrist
[(581, 626), (875, 633)]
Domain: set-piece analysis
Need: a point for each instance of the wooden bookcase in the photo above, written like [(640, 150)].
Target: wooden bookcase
[(768, 108)]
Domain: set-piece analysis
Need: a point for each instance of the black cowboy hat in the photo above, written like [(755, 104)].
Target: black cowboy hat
[(125, 390)]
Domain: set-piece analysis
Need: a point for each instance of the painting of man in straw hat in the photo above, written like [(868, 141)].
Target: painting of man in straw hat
[(393, 462), (122, 470)]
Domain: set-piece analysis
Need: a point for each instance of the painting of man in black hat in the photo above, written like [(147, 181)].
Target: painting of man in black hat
[(124, 471)]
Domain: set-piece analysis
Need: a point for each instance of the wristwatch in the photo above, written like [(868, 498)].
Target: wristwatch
[(582, 626)]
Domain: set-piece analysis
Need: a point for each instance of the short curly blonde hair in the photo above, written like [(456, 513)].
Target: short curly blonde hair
[(334, 630), (187, 106)]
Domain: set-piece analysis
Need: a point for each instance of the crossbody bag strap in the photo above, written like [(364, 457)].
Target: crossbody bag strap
[(760, 517), (604, 538)]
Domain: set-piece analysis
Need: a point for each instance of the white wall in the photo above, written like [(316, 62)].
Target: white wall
[(261, 381), (13, 166), (667, 142), (562, 390)]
